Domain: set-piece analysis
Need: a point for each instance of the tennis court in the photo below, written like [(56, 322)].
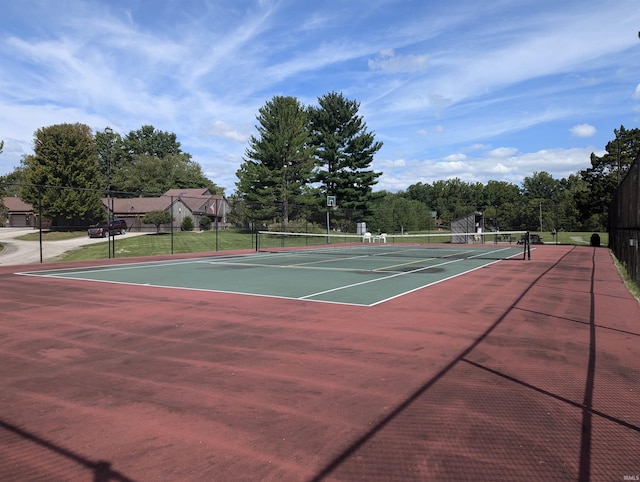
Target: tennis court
[(357, 274), (133, 370)]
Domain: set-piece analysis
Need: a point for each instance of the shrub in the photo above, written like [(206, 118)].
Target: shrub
[(187, 224), (205, 223)]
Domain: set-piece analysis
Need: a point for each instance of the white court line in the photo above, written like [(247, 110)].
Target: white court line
[(432, 283), (123, 267), (268, 255), (489, 263), (291, 266), (379, 279), (207, 290)]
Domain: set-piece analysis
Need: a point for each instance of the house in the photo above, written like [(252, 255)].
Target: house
[(181, 203), (132, 210), (16, 213), (200, 203)]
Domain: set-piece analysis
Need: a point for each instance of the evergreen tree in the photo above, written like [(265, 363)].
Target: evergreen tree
[(344, 151), (605, 174), (278, 162)]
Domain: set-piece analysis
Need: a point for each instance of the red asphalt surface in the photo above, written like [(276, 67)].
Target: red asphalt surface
[(518, 371)]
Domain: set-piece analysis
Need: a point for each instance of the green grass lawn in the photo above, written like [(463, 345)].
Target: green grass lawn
[(158, 244), (230, 239), (205, 241), (575, 238)]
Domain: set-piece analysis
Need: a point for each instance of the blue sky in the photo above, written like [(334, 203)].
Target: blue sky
[(475, 90)]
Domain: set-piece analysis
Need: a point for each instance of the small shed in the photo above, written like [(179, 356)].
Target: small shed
[(465, 230)]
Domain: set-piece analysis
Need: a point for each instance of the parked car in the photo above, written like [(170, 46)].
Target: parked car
[(104, 228), (533, 239)]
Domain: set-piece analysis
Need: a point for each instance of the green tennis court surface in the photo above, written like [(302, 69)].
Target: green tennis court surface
[(351, 275)]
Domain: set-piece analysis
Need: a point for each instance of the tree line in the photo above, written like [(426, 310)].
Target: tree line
[(298, 158), (302, 155), (72, 169)]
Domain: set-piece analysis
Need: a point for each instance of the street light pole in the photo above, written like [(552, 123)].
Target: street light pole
[(108, 131)]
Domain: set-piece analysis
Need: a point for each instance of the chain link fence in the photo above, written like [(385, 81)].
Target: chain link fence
[(624, 222)]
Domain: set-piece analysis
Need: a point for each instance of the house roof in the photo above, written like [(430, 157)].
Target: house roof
[(198, 200), (138, 205), (15, 204), (197, 192)]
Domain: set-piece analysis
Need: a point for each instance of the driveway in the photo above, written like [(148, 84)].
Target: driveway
[(27, 252)]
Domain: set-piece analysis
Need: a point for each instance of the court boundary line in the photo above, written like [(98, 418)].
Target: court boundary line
[(239, 293), (138, 264), (395, 275), (435, 282), (209, 260), (442, 280), (299, 298)]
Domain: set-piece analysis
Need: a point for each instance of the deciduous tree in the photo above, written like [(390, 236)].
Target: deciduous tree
[(63, 176), (149, 161), (157, 218)]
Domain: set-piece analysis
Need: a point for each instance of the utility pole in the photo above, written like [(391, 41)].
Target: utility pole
[(540, 216)]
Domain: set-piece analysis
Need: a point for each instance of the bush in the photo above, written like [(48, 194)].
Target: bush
[(205, 223), (187, 224)]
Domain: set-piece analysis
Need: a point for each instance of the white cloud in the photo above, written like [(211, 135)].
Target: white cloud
[(513, 168), (219, 128), (388, 61), (433, 83), (583, 130), (503, 152), (455, 158), (500, 168), (391, 163)]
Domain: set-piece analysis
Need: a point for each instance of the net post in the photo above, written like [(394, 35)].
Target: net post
[(527, 246)]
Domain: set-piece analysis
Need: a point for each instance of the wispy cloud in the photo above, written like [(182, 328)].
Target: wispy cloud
[(475, 91), (389, 61)]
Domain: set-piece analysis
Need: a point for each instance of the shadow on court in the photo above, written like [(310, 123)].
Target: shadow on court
[(37, 449), (409, 424), (513, 371)]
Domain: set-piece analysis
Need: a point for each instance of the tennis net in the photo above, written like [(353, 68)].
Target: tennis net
[(502, 245)]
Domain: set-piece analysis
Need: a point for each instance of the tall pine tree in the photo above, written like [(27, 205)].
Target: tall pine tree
[(278, 162), (605, 174), (344, 151)]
